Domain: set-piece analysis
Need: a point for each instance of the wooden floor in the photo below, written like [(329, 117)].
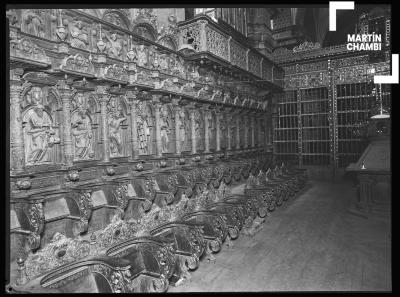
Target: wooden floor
[(310, 243)]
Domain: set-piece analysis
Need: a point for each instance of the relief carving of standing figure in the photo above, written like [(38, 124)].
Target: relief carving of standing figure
[(114, 46), (165, 130), (198, 129), (114, 123), (181, 125), (39, 133), (83, 135), (142, 55)]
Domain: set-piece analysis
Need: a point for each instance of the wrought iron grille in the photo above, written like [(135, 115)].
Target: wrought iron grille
[(315, 140)]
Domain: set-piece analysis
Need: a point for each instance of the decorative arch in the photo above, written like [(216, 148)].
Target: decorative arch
[(145, 30), (118, 17), (169, 42)]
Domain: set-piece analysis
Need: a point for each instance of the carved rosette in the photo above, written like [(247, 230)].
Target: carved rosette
[(73, 176)]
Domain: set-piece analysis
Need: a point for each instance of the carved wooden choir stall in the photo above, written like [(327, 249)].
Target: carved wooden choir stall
[(126, 140)]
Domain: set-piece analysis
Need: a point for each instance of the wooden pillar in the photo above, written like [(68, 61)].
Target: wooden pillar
[(246, 132), (229, 132), (65, 94), (157, 109), (132, 99), (104, 97), (253, 139), (218, 131), (177, 109), (17, 153), (193, 126), (238, 131), (206, 131)]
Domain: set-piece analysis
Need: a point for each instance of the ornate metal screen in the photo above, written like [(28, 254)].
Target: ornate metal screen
[(286, 130), (356, 103), (314, 136)]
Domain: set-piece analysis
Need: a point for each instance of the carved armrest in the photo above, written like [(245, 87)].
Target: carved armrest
[(114, 270)]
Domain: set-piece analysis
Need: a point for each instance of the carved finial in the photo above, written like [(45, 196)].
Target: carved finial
[(22, 278)]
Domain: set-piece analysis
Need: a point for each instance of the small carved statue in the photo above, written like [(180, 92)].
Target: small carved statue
[(114, 46), (165, 130), (142, 55), (114, 123), (181, 124), (143, 130)]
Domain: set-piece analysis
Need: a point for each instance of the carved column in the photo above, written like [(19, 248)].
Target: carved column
[(65, 94), (131, 96), (157, 114), (217, 132), (238, 131), (253, 138), (260, 124), (193, 126), (177, 110), (17, 153), (206, 131), (103, 97), (229, 132), (246, 132)]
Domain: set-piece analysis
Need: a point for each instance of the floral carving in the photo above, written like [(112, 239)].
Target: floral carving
[(116, 72), (59, 251)]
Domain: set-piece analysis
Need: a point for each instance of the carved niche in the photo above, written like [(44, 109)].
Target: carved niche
[(144, 128), (199, 129), (145, 23), (117, 127), (84, 124), (166, 127), (168, 33), (40, 125)]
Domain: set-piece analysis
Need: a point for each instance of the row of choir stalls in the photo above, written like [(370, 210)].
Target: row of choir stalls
[(119, 145)]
